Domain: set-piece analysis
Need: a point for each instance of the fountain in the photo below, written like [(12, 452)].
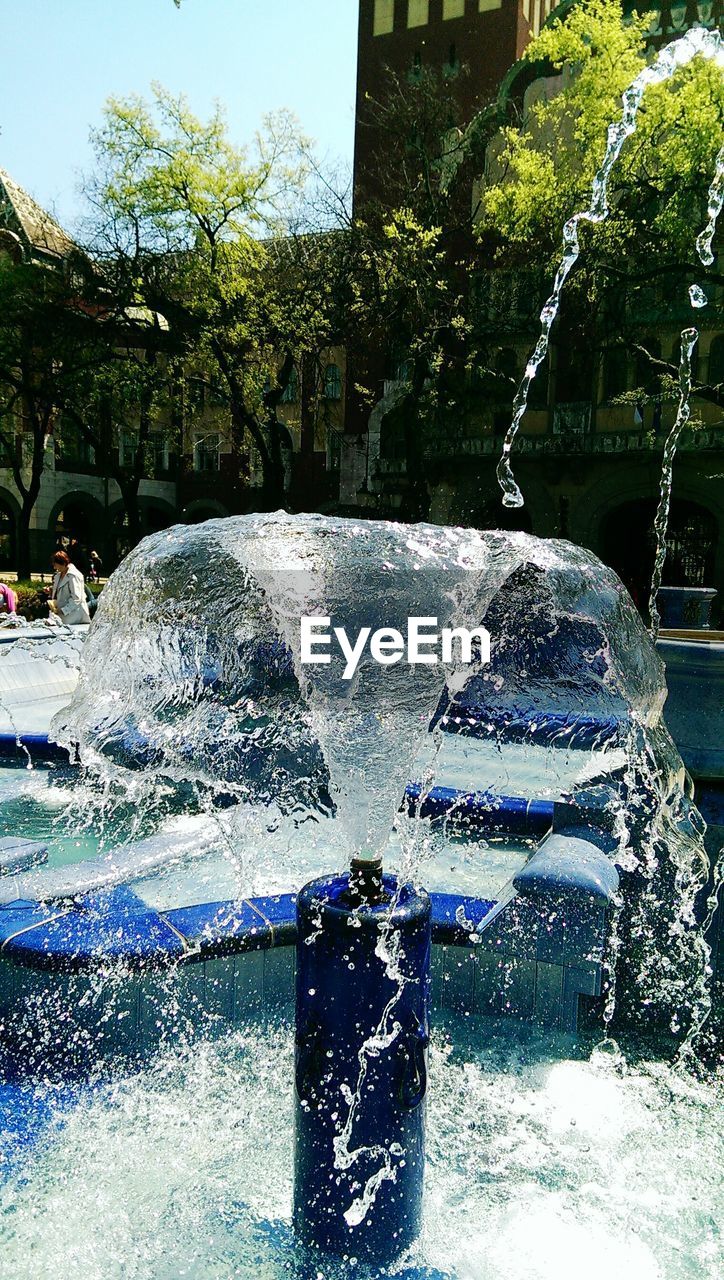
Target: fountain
[(219, 746), (195, 693)]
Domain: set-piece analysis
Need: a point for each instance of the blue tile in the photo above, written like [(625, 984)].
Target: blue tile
[(113, 925), (447, 927), (548, 994), (219, 928)]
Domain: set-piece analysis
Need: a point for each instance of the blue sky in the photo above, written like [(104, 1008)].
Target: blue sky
[(62, 58)]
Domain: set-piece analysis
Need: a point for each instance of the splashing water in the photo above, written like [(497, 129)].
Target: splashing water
[(697, 297), (689, 338), (716, 201), (540, 1164), (192, 688), (696, 41)]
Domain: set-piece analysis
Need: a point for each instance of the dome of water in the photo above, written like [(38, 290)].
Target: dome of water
[(193, 685), (193, 669)]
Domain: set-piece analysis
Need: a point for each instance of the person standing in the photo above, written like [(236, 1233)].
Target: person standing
[(78, 556), (67, 595), (8, 600), (96, 567)]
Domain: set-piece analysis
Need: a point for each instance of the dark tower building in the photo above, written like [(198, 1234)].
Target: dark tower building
[(487, 36)]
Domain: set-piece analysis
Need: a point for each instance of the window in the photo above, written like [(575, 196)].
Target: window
[(334, 450), (127, 445), (646, 378), (196, 394), (290, 395), (538, 389), (333, 382), (574, 381), (7, 445), (207, 452), (485, 5), (615, 372), (158, 448), (453, 9), (716, 360), (384, 19), (418, 13), (507, 368)]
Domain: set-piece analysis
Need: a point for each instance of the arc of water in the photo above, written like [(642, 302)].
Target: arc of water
[(689, 339), (677, 54), (716, 201)]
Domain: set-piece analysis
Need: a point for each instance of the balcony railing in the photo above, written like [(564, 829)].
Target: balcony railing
[(703, 439), (572, 419)]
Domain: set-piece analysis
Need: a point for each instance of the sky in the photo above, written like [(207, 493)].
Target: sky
[(61, 59)]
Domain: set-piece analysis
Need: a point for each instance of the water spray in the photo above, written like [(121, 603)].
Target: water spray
[(363, 964)]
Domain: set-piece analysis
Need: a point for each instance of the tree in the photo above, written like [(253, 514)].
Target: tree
[(416, 265), (642, 259), (122, 399), (200, 226), (76, 360), (27, 408)]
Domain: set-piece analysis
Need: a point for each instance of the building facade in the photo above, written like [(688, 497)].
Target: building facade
[(192, 472), (588, 458)]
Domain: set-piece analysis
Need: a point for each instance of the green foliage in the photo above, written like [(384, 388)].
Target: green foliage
[(203, 228), (417, 270), (637, 265), (546, 167)]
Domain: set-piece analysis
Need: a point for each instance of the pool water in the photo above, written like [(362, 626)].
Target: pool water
[(206, 855), (544, 1159)]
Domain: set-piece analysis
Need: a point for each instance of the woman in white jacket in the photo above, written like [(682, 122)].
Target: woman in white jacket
[(67, 597)]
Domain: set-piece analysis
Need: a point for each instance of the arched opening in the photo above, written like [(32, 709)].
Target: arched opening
[(79, 518), (7, 536), (491, 514), (203, 509), (154, 517), (627, 543)]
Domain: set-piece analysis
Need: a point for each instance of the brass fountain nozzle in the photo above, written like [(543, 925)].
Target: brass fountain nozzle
[(366, 888)]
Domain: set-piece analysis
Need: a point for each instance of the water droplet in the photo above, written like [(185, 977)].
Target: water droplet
[(697, 297)]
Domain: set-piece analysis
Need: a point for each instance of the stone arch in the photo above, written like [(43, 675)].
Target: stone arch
[(80, 514), (616, 521), (639, 482), (156, 513), (9, 513), (203, 509)]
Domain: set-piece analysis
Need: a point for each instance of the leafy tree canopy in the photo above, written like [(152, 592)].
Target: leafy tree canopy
[(545, 167)]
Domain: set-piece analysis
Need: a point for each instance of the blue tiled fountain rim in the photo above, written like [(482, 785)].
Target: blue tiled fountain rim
[(116, 926)]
